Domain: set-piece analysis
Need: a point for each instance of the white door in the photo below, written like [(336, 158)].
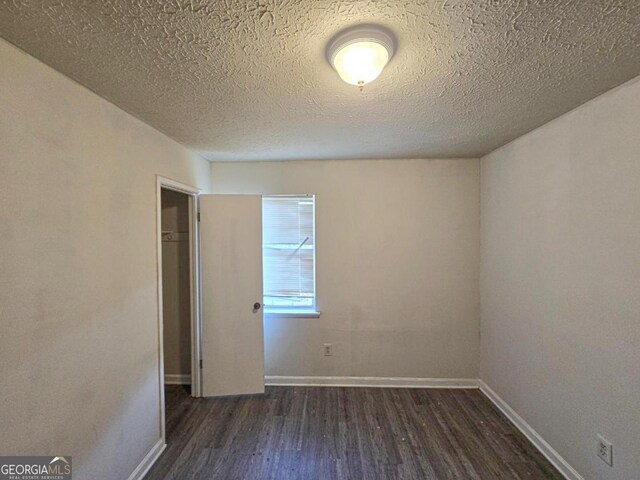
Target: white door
[(231, 262)]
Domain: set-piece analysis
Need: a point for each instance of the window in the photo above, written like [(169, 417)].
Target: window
[(288, 254)]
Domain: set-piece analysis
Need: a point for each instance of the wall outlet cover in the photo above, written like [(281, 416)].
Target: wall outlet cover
[(605, 450)]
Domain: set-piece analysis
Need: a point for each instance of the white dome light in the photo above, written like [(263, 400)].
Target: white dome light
[(360, 53)]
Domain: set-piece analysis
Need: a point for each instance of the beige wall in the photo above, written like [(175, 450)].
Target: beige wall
[(78, 298), (176, 291), (559, 280), (397, 266)]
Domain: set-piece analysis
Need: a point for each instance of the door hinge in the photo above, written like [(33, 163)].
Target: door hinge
[(200, 363), (198, 216)]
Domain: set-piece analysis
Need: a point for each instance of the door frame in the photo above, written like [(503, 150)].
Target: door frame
[(194, 287)]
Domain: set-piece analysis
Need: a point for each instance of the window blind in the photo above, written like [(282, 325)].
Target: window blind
[(288, 251)]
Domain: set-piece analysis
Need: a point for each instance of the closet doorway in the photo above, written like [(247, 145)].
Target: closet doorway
[(225, 325), (178, 287), (176, 291)]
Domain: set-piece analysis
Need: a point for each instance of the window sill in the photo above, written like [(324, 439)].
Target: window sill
[(291, 314)]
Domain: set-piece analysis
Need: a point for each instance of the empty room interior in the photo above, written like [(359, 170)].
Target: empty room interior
[(320, 240)]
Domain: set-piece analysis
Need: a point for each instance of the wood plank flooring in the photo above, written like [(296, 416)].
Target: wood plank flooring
[(325, 433)]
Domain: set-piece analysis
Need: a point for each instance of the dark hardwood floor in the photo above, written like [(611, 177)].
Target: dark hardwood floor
[(344, 433)]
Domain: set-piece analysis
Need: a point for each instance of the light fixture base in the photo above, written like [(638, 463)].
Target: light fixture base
[(361, 33)]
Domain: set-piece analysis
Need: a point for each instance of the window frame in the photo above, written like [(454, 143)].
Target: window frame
[(295, 312)]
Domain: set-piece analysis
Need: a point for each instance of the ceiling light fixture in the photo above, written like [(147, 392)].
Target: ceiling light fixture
[(360, 53)]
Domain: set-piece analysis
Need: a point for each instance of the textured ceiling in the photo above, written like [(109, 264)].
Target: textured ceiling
[(244, 80)]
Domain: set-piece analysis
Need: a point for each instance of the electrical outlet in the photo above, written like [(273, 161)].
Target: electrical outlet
[(328, 349), (605, 450)]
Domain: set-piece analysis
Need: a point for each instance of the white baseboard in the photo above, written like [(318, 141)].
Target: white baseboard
[(383, 382), (534, 437), (148, 461), (177, 379)]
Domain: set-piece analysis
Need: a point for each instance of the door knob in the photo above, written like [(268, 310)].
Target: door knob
[(256, 306)]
